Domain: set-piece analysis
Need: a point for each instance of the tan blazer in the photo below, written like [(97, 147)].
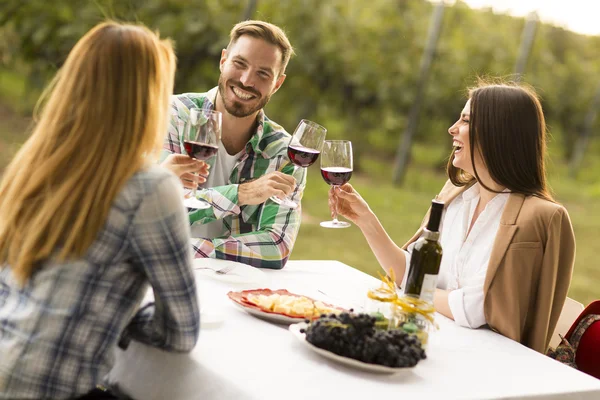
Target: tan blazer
[(530, 268)]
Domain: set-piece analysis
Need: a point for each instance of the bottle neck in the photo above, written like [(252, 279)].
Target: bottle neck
[(431, 235)]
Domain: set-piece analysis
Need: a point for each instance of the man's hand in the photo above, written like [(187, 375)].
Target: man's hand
[(186, 169), (272, 184)]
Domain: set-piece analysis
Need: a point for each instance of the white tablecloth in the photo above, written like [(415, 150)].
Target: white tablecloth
[(247, 358)]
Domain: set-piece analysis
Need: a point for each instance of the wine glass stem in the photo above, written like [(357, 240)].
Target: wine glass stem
[(195, 189), (335, 207), (195, 183), (295, 168)]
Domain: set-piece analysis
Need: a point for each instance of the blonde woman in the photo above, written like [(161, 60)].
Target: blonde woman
[(87, 221)]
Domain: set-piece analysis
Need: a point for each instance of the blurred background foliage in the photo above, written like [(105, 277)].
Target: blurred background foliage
[(355, 71)]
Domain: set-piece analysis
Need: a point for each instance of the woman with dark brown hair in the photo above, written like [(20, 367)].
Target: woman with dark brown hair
[(509, 248)]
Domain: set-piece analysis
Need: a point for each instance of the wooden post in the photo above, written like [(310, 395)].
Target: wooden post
[(584, 137), (403, 153), (526, 44)]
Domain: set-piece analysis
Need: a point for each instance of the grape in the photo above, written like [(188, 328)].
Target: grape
[(355, 336)]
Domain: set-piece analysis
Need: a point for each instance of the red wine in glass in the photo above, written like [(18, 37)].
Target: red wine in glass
[(336, 176), (199, 151), (302, 156), (303, 150), (201, 138), (336, 170)]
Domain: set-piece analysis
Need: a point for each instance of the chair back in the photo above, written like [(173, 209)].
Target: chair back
[(570, 311)]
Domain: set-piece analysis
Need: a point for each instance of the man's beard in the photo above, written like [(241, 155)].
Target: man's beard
[(237, 108)]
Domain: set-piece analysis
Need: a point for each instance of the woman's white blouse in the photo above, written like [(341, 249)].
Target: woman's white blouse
[(465, 258)]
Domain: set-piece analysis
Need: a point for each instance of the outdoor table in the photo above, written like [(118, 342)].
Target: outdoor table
[(248, 358)]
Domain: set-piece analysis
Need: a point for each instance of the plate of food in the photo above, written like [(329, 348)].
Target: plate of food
[(281, 306), (354, 341)]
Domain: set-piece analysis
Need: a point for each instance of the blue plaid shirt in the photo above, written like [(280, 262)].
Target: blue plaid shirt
[(58, 333)]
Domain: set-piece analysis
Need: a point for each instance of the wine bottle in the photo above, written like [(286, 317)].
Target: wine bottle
[(426, 257)]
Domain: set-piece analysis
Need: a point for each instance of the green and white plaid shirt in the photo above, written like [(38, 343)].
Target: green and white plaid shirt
[(259, 235)]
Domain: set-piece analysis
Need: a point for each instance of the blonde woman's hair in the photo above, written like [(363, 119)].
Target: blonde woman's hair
[(104, 119)]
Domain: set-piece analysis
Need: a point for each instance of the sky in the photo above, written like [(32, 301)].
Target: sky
[(581, 16)]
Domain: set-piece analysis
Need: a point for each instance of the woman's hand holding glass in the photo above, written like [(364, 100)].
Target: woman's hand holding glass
[(348, 203)]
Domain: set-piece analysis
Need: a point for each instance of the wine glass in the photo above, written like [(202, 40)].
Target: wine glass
[(201, 137), (303, 150), (336, 169)]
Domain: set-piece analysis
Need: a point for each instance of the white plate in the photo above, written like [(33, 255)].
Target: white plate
[(271, 317), (241, 273), (380, 369)]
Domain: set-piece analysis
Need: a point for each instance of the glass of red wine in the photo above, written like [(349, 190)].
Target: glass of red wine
[(201, 137), (303, 150), (336, 169)]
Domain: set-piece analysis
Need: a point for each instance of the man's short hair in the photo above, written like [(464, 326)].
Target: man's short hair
[(266, 31)]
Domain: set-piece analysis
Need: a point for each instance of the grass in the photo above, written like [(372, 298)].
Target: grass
[(399, 209)]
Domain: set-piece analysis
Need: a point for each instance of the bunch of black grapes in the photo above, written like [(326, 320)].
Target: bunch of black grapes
[(355, 336)]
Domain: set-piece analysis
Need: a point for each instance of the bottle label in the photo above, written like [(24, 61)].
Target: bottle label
[(428, 288)]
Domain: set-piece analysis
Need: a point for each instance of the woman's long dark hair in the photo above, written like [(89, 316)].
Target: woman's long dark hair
[(507, 126)]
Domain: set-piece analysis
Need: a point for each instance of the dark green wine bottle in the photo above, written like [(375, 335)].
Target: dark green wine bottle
[(426, 257)]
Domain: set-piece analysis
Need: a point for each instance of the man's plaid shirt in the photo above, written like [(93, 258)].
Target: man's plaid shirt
[(58, 332), (259, 235)]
